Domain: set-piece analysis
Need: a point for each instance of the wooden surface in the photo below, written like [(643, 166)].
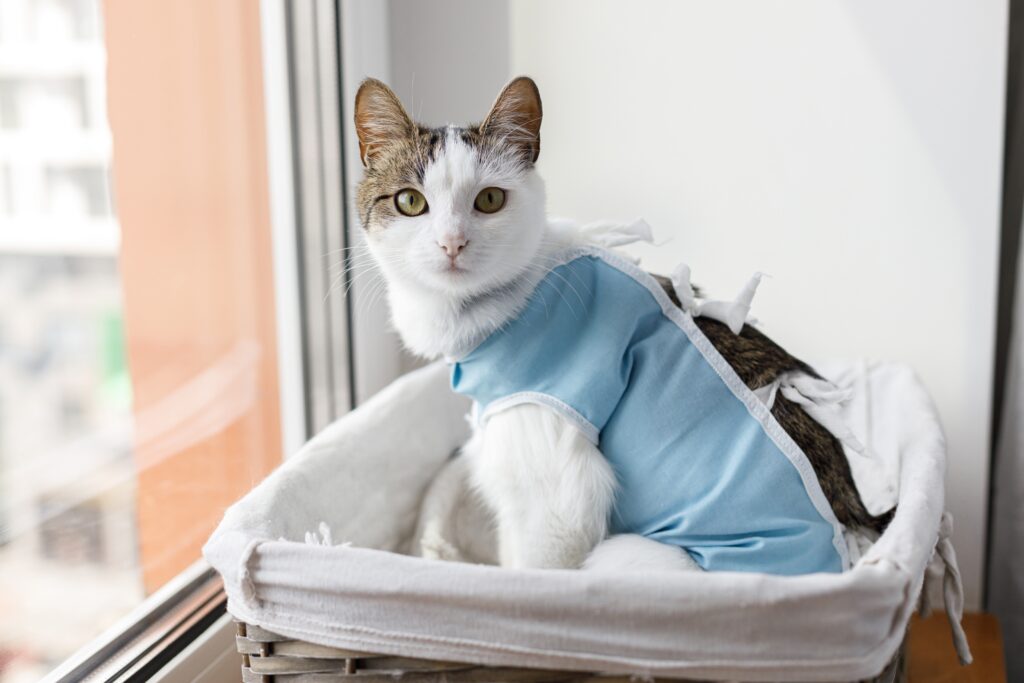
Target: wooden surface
[(190, 186), (933, 659)]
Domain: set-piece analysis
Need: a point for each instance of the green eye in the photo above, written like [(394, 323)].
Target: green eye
[(490, 199), (410, 202)]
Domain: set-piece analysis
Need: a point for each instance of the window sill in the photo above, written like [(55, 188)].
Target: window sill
[(184, 616)]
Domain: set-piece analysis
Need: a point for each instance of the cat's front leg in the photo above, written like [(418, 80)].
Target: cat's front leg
[(549, 487)]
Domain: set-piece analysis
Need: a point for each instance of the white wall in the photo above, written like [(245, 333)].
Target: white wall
[(449, 58), (852, 150)]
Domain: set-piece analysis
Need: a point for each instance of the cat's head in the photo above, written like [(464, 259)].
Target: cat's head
[(454, 210)]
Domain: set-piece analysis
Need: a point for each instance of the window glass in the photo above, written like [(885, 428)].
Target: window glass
[(67, 478), (138, 382)]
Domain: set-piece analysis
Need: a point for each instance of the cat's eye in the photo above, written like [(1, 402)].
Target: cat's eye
[(490, 199), (410, 202)]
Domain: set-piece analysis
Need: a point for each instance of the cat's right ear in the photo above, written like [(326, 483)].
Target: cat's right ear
[(516, 116), (380, 119)]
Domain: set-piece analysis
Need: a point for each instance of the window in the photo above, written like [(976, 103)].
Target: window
[(144, 260), (68, 488)]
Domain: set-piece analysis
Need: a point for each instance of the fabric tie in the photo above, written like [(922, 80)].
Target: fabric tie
[(732, 313), (952, 589), (821, 399), (611, 235)]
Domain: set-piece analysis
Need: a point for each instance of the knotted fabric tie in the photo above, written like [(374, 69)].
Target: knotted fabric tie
[(820, 398), (611, 235), (732, 313), (952, 589)]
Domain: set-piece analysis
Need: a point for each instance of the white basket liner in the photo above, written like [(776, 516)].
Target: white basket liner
[(364, 477)]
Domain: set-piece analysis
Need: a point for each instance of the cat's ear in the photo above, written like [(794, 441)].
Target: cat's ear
[(516, 116), (380, 118)]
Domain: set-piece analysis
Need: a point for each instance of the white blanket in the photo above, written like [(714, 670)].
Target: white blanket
[(359, 484)]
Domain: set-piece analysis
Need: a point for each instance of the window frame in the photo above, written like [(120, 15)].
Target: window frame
[(149, 637), (320, 197)]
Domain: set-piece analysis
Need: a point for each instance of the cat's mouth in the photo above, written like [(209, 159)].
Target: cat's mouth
[(453, 267)]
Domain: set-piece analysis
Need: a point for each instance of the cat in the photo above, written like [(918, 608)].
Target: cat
[(455, 219)]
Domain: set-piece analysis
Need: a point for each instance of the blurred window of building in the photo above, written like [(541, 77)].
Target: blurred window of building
[(63, 491), (138, 393)]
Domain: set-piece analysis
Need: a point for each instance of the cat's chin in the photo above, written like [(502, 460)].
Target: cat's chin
[(458, 280), (457, 283)]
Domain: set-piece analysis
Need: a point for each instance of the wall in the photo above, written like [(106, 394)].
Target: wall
[(449, 58), (852, 150)]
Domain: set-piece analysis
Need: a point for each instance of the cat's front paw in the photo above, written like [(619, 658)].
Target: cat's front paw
[(433, 546)]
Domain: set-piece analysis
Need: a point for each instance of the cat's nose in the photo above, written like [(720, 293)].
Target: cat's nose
[(453, 244)]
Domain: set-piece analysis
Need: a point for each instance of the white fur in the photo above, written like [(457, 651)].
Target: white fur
[(550, 489), (633, 553), (454, 524)]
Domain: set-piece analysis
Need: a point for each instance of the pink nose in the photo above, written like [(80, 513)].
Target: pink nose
[(453, 244)]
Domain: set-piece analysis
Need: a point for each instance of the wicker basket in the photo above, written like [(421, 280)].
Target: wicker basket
[(271, 658)]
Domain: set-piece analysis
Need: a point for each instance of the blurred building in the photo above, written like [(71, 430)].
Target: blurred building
[(67, 480)]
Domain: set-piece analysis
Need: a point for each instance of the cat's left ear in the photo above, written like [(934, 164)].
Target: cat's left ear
[(380, 119), (516, 116)]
